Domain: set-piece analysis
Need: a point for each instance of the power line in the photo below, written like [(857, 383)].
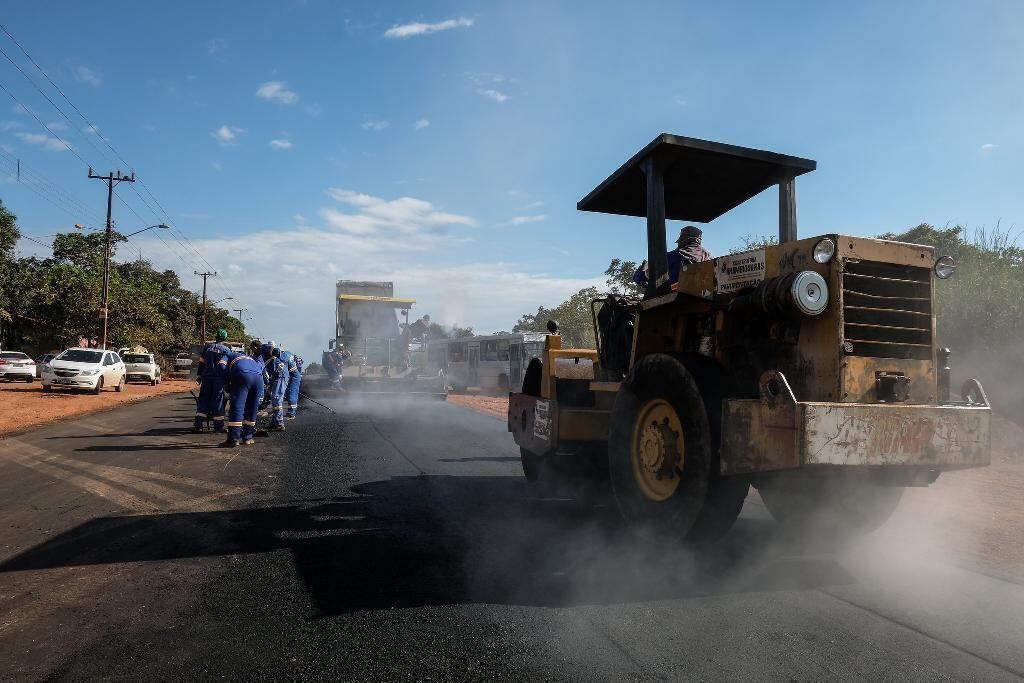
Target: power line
[(40, 122)]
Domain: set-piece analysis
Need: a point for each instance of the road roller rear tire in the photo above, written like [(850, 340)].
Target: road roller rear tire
[(659, 448), (829, 507)]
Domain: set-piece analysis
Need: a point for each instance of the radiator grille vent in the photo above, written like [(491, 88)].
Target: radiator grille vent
[(887, 310)]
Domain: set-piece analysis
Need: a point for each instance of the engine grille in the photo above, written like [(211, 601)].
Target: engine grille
[(65, 373), (887, 310)]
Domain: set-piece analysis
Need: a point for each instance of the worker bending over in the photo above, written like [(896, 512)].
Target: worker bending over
[(278, 378), (244, 378)]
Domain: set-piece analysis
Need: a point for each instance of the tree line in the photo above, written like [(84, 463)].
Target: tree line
[(979, 311), (48, 304)]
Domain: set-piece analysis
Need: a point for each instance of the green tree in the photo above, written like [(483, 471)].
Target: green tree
[(619, 280)]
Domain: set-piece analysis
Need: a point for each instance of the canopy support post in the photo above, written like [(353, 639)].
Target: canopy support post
[(787, 210), (657, 260)]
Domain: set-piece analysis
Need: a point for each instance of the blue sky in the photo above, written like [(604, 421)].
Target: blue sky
[(444, 145)]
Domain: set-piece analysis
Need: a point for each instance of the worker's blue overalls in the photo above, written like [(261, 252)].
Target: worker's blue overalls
[(245, 383), (294, 379), (278, 372), (210, 402)]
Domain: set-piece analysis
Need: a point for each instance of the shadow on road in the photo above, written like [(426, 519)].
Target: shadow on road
[(430, 540)]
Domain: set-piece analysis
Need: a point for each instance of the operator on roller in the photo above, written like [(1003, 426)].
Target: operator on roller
[(294, 377), (244, 378), (210, 402), (689, 251)]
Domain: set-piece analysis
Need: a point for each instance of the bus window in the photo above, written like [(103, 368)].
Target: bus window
[(533, 349), (458, 352), (503, 349), (438, 353), (489, 350)]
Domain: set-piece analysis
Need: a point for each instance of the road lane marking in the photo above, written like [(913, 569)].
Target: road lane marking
[(104, 478)]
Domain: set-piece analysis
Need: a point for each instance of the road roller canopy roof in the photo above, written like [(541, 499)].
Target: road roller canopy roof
[(380, 300), (703, 179)]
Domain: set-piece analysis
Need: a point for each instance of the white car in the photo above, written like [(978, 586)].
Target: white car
[(17, 366), (91, 369), (141, 367)]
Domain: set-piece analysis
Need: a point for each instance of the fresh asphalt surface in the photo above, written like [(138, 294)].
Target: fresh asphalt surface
[(398, 540)]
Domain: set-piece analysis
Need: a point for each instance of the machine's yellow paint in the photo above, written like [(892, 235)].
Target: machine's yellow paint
[(658, 450)]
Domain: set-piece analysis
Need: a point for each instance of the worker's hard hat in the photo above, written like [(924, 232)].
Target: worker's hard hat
[(272, 343), (222, 334)]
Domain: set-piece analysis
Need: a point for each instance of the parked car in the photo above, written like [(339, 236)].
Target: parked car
[(17, 366), (43, 360), (142, 367), (183, 362), (79, 368)]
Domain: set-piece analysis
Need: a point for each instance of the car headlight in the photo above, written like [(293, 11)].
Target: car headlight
[(945, 267), (824, 250), (89, 373)]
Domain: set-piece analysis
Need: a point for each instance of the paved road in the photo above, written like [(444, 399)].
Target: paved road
[(398, 541)]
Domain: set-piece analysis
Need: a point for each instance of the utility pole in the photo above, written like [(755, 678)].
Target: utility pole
[(239, 312), (111, 179), (202, 329)]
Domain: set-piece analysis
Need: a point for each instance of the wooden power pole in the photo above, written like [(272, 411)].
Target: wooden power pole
[(202, 325), (111, 179)]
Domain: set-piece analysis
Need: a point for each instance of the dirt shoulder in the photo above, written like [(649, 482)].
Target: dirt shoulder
[(974, 517), (26, 405)]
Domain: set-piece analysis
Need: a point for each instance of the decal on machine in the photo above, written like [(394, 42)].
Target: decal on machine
[(542, 420), (739, 271)]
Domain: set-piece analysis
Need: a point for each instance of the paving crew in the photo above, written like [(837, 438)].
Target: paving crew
[(254, 353), (243, 376), (278, 383), (294, 378), (689, 250), (210, 402)]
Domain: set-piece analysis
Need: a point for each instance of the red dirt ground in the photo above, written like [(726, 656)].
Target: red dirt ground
[(25, 405)]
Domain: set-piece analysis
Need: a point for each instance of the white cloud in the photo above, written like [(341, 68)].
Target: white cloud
[(299, 218), (277, 91), (520, 220), (681, 101), (487, 78), (402, 31), (215, 166), (306, 261), (492, 94), (281, 144), (84, 74), (989, 145), (9, 125), (421, 124), (57, 125), (227, 135), (313, 110), (149, 127), (533, 205), (215, 46), (375, 125), (48, 143), (415, 220)]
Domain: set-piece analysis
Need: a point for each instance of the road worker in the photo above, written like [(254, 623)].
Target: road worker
[(689, 250), (294, 378), (210, 402), (278, 374), (244, 378)]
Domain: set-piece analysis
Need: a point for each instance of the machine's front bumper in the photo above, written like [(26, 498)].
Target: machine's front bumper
[(777, 432)]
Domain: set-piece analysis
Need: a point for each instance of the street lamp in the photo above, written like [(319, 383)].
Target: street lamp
[(104, 308), (202, 329)]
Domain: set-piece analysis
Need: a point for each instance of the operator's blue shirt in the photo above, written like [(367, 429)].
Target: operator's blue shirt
[(209, 360)]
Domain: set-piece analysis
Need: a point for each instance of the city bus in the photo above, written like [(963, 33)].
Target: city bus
[(493, 362)]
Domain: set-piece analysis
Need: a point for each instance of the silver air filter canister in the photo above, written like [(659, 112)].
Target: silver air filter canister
[(797, 294)]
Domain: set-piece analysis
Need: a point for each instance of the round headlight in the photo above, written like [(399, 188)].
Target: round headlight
[(945, 267), (824, 250), (810, 293)]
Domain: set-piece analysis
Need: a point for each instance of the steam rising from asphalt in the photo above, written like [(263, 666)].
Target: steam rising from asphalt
[(508, 542)]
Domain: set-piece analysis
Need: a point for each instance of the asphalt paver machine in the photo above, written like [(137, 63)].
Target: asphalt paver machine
[(808, 369)]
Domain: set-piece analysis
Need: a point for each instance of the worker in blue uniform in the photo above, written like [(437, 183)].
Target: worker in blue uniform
[(244, 378), (291, 395), (210, 402), (278, 376)]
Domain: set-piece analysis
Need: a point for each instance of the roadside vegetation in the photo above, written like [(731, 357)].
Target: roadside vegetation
[(52, 303)]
